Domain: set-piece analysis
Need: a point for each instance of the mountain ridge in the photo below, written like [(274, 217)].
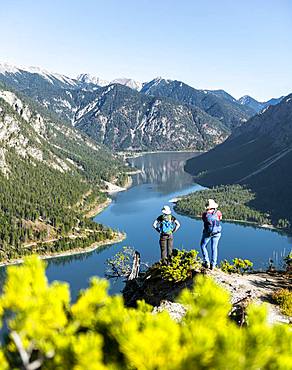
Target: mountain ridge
[(231, 113), (248, 101), (125, 119), (257, 155)]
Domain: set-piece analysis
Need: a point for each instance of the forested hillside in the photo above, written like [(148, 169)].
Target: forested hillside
[(49, 174), (233, 203), (259, 155)]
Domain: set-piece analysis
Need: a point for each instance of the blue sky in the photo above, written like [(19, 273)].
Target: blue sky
[(243, 47)]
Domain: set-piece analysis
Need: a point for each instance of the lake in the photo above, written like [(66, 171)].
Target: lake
[(162, 178)]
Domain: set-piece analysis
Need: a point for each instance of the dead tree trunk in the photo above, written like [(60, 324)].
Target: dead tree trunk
[(136, 266)]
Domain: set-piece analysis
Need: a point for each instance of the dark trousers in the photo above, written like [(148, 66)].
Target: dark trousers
[(166, 244)]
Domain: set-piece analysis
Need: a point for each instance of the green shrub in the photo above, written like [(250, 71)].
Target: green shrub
[(98, 332), (288, 262), (121, 263), (239, 266), (180, 265), (283, 297)]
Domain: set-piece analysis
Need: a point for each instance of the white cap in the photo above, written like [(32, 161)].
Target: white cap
[(211, 204), (166, 210)]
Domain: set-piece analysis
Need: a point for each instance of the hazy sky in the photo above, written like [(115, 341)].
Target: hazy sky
[(243, 47)]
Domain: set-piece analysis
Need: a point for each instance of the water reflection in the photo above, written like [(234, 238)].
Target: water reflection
[(165, 171)]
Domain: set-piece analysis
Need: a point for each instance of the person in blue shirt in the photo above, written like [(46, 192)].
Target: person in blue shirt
[(166, 224)]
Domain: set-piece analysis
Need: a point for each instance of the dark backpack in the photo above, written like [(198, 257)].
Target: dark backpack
[(214, 227), (166, 225)]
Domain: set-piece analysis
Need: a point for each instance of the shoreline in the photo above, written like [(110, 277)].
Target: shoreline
[(98, 208), (119, 237), (133, 154)]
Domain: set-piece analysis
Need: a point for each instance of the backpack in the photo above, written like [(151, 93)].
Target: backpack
[(166, 225), (214, 227)]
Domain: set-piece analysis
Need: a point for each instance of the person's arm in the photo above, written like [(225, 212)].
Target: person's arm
[(176, 225), (219, 213), (156, 224)]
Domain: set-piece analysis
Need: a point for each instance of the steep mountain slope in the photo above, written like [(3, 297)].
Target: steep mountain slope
[(258, 154), (257, 106), (49, 174), (125, 119), (222, 94), (216, 104)]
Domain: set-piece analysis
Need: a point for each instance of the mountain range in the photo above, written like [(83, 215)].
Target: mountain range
[(55, 132), (127, 115), (125, 119), (257, 155)]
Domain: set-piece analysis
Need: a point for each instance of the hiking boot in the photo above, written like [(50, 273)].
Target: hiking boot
[(212, 267), (206, 265)]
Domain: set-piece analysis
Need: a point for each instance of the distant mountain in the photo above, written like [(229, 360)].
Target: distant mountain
[(89, 79), (136, 85), (125, 119), (257, 106), (199, 114), (216, 103), (56, 92), (24, 75), (222, 94), (258, 154)]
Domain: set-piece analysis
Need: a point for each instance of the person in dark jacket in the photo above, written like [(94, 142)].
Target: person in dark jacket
[(166, 224), (211, 233)]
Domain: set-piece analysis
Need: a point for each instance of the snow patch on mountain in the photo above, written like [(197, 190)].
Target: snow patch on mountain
[(88, 78), (135, 85), (49, 76)]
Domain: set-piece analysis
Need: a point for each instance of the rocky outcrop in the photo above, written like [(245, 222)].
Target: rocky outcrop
[(252, 287)]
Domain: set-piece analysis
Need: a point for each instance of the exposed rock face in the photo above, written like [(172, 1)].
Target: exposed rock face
[(33, 135), (124, 119)]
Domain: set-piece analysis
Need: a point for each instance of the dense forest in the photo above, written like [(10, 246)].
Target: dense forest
[(50, 177), (38, 203), (233, 201)]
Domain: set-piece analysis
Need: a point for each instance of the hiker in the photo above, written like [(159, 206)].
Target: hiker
[(211, 232), (166, 224)]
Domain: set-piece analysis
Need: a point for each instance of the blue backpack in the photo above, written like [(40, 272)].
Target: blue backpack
[(166, 225), (214, 226)]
